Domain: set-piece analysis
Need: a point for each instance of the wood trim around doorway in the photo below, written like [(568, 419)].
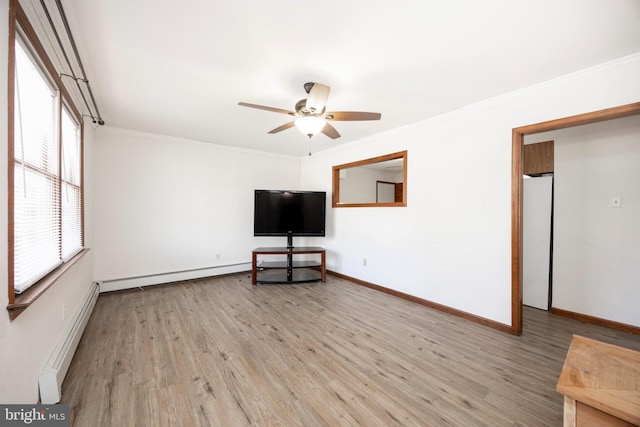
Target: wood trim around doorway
[(516, 190)]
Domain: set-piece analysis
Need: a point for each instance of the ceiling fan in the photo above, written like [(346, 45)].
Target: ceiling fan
[(311, 115)]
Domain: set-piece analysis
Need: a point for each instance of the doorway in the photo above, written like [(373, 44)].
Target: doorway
[(517, 171)]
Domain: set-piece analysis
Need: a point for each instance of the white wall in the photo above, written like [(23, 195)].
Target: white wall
[(28, 340), (167, 205), (596, 256), (452, 243)]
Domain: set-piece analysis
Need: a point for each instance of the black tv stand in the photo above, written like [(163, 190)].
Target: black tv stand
[(289, 271)]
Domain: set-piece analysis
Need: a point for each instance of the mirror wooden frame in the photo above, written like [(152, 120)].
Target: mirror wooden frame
[(335, 197)]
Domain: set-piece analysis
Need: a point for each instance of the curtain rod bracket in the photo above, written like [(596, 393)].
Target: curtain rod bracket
[(78, 79), (94, 119)]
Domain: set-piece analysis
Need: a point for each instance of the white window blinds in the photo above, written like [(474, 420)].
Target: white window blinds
[(71, 197), (47, 216)]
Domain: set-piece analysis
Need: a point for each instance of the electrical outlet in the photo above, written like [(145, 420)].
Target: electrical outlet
[(364, 262), (218, 256)]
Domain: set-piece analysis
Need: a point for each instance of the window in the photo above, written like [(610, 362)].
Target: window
[(45, 194), (36, 186), (71, 197)]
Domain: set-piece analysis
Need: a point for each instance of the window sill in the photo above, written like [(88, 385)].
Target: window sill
[(25, 299)]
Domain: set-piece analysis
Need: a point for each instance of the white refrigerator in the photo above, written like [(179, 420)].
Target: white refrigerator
[(536, 236)]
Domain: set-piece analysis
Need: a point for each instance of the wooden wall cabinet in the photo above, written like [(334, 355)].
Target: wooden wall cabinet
[(538, 158)]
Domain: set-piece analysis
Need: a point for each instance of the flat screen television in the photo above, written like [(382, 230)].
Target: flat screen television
[(289, 213)]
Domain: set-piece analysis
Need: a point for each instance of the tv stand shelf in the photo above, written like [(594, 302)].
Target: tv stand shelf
[(288, 271)]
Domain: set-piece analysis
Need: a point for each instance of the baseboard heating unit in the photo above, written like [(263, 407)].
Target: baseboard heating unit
[(50, 381), (110, 285)]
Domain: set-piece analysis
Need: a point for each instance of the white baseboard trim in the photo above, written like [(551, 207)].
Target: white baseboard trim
[(54, 371), (175, 276)]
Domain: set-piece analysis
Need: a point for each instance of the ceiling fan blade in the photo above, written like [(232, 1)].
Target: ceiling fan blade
[(283, 127), (262, 107), (330, 131), (352, 115), (317, 98)]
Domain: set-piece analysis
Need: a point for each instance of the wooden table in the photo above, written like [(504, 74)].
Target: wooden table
[(601, 384)]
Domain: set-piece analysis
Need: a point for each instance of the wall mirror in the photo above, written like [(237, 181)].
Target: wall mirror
[(376, 182)]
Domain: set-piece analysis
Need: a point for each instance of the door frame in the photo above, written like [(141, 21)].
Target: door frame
[(517, 169)]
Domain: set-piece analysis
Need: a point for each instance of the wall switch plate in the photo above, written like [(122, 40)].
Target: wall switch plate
[(615, 202)]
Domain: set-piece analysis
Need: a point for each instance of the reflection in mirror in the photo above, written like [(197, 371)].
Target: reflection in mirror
[(379, 181)]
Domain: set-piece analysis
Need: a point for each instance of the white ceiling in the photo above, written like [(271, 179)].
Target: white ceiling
[(180, 68)]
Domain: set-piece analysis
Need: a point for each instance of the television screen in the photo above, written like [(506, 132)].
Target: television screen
[(289, 213)]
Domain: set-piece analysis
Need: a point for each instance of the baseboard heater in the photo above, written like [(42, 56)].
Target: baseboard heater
[(110, 285), (50, 381)]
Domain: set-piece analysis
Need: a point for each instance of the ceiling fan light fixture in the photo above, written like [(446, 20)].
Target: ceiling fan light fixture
[(310, 125), (310, 113)]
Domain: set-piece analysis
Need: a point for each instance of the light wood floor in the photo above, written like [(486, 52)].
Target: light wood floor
[(220, 352)]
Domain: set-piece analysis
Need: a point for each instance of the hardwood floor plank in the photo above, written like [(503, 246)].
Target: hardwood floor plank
[(220, 351)]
